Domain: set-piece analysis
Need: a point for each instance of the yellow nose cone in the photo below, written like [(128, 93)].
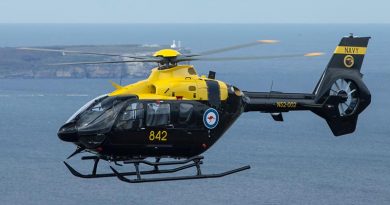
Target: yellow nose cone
[(167, 53)]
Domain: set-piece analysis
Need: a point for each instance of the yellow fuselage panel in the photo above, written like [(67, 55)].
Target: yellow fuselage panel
[(178, 82)]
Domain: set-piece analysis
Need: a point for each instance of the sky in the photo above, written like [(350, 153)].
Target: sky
[(194, 11)]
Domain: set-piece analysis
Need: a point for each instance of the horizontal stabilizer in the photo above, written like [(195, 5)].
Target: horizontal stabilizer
[(277, 116)]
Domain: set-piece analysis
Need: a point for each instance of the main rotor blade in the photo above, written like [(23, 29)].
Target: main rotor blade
[(221, 50), (104, 62), (251, 57), (79, 52)]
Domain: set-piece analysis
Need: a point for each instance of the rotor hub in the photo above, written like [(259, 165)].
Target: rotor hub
[(343, 96), (167, 53)]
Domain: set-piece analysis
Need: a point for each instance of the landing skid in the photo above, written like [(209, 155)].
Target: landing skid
[(188, 163)]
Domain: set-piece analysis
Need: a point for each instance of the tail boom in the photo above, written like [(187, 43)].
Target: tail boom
[(273, 102)]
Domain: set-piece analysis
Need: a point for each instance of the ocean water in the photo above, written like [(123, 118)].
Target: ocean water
[(294, 162)]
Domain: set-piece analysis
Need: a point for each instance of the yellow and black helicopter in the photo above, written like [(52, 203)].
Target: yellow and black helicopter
[(177, 114)]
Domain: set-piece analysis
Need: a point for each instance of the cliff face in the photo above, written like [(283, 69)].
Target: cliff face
[(16, 63)]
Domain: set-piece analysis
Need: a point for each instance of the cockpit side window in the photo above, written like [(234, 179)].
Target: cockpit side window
[(185, 112), (132, 117), (158, 114)]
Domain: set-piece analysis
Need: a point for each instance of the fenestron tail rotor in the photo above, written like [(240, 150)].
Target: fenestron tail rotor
[(349, 91)]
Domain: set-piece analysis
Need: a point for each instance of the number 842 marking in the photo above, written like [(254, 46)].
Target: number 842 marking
[(158, 136)]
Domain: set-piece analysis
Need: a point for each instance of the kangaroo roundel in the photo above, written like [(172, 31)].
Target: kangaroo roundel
[(211, 118)]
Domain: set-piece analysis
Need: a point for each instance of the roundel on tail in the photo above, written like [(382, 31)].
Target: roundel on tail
[(349, 61)]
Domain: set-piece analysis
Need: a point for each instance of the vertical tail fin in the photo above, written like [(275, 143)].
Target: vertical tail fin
[(341, 88), (350, 53), (347, 56)]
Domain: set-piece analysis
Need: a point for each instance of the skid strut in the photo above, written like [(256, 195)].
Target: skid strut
[(181, 165)]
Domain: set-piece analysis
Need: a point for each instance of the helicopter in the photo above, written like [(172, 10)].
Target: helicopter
[(175, 115)]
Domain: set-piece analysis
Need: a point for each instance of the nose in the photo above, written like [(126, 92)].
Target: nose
[(68, 133)]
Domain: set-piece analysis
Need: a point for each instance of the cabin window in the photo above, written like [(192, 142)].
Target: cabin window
[(132, 116), (185, 112), (158, 114), (133, 111)]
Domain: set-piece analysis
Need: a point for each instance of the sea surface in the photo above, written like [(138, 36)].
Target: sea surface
[(298, 161)]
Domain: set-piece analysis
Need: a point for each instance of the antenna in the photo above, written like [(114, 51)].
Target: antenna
[(121, 76), (270, 89)]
